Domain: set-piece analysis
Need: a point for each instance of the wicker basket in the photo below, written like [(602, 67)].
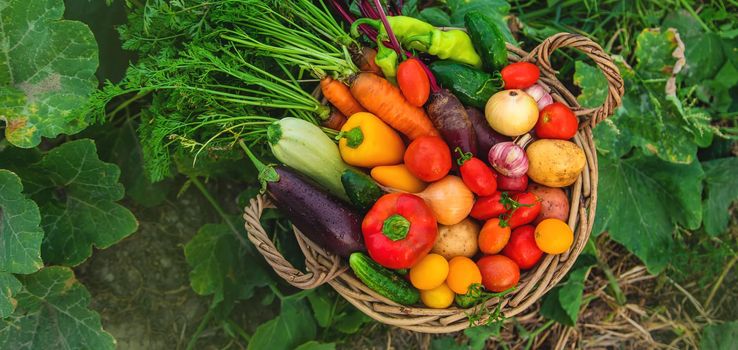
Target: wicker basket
[(324, 267)]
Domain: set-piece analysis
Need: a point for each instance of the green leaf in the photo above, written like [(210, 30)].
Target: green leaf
[(719, 336), (562, 303), (351, 320), (314, 345), (722, 190), (20, 231), (642, 199), (654, 49), (446, 343), (222, 265), (479, 335), (643, 121), (47, 70), (322, 305), (9, 287), (292, 327), (79, 208), (592, 83), (703, 51), (52, 313)]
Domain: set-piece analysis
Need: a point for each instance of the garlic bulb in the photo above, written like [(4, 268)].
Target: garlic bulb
[(539, 94), (508, 159)]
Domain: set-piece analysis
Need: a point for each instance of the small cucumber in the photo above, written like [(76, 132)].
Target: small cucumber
[(362, 191), (382, 280), (472, 86), (487, 39)]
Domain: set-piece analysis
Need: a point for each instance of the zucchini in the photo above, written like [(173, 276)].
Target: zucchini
[(362, 191), (303, 146), (472, 86), (382, 280), (487, 39)]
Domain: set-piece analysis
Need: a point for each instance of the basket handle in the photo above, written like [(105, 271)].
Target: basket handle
[(604, 62), (316, 263)]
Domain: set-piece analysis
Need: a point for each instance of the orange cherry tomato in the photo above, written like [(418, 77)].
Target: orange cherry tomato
[(493, 237), (462, 273), (554, 236)]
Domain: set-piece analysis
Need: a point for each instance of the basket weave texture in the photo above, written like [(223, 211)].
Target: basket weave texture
[(324, 267)]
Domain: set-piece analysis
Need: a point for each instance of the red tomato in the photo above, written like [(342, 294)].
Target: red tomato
[(505, 183), (489, 207), (428, 158), (556, 121), (477, 176), (520, 75), (413, 82), (522, 248), (527, 209), (499, 273)]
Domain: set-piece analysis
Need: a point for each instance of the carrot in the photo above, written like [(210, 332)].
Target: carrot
[(385, 101), (365, 61), (335, 121), (339, 95)]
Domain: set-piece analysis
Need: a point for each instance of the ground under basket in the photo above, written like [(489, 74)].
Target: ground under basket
[(324, 267)]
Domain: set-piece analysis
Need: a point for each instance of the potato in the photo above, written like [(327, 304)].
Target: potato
[(457, 240), (554, 163), (554, 202)]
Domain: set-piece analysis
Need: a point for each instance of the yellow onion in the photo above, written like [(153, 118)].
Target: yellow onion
[(450, 200), (511, 112)]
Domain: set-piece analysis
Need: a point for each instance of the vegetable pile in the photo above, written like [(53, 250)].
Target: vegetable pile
[(385, 157)]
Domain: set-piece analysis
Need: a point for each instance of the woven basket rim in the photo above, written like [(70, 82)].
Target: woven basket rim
[(324, 267)]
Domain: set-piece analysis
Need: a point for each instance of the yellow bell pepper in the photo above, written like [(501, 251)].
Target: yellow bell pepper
[(366, 141), (397, 177)]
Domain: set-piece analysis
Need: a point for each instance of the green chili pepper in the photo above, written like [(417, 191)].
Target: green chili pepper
[(415, 34), (386, 59)]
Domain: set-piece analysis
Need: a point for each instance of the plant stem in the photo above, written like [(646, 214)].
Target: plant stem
[(719, 281), (240, 331), (612, 282), (694, 14), (205, 193), (200, 328)]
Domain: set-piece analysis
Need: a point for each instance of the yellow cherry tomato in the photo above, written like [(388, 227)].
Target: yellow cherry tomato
[(553, 236), (429, 272), (462, 273), (366, 141), (440, 297), (397, 177)]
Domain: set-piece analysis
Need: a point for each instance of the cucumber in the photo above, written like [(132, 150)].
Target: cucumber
[(472, 86), (382, 280), (487, 39), (362, 191)]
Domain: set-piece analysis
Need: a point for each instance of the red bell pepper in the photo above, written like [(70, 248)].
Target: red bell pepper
[(476, 175), (399, 230)]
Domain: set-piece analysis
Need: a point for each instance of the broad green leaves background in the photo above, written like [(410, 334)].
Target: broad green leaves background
[(47, 70)]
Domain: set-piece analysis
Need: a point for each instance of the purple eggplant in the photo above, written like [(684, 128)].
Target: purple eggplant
[(486, 137), (449, 117), (325, 219)]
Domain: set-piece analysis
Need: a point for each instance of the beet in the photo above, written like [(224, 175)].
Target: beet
[(449, 117), (486, 137)]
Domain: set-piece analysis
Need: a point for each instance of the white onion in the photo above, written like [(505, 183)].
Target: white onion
[(508, 159)]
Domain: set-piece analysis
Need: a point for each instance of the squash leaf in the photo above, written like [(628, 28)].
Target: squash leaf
[(719, 336), (9, 287), (592, 83), (52, 313), (222, 265), (722, 190), (20, 230), (563, 302), (78, 193), (47, 70), (293, 326), (643, 199)]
